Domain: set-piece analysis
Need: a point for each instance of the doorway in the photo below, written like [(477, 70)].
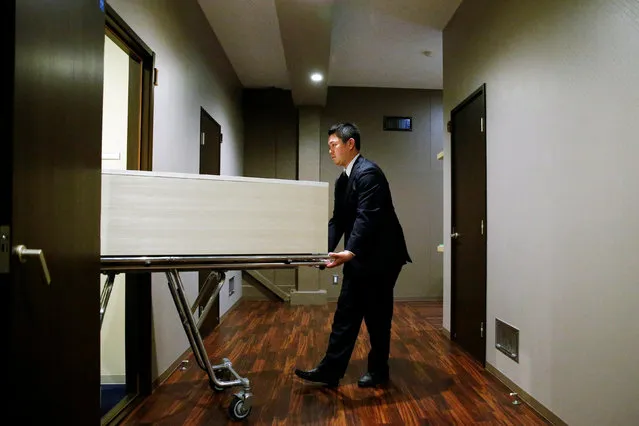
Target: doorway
[(127, 123), (210, 140), (468, 225), (138, 93)]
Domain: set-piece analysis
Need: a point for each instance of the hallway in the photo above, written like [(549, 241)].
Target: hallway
[(432, 381)]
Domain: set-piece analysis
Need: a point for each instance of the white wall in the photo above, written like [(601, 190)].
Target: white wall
[(563, 206), (114, 150), (194, 72), (115, 106)]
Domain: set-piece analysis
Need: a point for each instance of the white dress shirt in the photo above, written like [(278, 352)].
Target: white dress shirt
[(350, 166)]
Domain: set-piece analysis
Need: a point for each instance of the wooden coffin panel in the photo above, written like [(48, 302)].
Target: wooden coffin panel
[(151, 213)]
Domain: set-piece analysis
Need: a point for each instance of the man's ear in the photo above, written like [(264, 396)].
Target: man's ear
[(351, 145)]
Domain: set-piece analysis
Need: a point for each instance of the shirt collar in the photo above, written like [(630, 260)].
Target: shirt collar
[(349, 168)]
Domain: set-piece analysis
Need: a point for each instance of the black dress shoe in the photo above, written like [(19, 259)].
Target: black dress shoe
[(370, 380), (317, 376)]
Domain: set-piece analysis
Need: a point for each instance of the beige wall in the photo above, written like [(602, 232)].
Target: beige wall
[(270, 151), (270, 133), (409, 160), (194, 72), (562, 147)]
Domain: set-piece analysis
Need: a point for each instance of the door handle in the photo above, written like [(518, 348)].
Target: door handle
[(454, 235), (24, 253)]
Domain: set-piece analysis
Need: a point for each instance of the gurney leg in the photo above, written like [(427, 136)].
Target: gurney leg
[(106, 294), (240, 406), (182, 311), (219, 278)]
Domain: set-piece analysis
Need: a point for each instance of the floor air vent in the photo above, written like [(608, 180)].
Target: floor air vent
[(507, 339)]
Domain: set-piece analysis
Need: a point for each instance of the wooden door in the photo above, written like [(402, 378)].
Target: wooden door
[(210, 140), (469, 227), (50, 201)]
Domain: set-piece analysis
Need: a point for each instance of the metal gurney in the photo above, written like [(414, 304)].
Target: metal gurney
[(223, 375)]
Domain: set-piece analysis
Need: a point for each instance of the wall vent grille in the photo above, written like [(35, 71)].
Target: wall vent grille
[(231, 286), (507, 339)]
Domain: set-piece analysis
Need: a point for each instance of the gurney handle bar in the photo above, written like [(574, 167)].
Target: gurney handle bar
[(215, 259), (200, 266)]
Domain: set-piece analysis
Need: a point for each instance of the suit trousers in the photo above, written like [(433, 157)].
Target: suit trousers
[(370, 299)]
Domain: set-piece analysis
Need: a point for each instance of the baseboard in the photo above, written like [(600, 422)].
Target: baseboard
[(418, 299), (314, 297), (167, 373), (113, 379), (446, 333), (233, 306), (524, 396)]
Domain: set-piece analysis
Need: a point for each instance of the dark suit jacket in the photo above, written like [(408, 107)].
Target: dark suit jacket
[(365, 215)]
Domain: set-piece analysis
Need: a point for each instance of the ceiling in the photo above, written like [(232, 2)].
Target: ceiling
[(364, 43)]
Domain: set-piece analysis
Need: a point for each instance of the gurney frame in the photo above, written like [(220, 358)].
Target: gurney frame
[(223, 375)]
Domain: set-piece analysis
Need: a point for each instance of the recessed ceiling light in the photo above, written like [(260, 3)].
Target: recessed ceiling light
[(316, 77)]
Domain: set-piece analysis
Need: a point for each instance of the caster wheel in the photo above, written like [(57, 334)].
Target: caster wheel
[(237, 410)]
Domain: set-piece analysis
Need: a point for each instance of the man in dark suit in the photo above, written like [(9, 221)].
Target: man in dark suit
[(373, 256)]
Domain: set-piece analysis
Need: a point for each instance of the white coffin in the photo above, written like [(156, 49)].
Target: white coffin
[(151, 213)]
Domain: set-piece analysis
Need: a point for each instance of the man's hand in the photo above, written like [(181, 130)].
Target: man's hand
[(339, 258)]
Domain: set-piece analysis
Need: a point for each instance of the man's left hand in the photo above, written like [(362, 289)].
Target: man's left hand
[(339, 258)]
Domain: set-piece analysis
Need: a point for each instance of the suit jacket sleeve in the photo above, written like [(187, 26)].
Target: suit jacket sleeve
[(335, 230), (371, 192)]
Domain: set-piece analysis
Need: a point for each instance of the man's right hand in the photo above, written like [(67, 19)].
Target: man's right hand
[(339, 258)]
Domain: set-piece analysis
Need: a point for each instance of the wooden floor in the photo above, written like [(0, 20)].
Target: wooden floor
[(432, 381)]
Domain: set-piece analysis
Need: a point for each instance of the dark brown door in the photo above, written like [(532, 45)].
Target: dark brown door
[(468, 233), (210, 139), (50, 201)]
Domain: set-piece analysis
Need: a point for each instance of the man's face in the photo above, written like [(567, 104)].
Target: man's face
[(341, 153)]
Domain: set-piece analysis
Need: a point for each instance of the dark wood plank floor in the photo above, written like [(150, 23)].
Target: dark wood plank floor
[(432, 381)]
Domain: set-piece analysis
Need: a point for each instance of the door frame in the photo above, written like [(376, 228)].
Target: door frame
[(481, 91), (122, 35), (138, 292)]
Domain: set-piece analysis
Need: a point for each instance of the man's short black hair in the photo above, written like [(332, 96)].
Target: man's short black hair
[(345, 131)]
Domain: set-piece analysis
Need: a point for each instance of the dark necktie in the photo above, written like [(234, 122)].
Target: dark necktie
[(340, 185), (340, 190)]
